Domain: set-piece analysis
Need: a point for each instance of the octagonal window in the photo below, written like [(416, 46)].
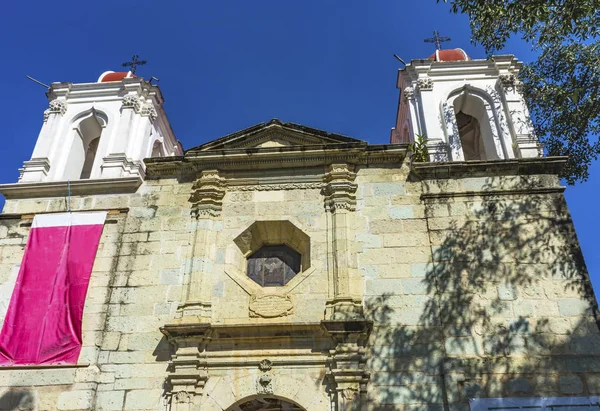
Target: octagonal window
[(274, 265)]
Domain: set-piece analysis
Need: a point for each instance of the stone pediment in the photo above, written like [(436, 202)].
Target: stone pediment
[(274, 134)]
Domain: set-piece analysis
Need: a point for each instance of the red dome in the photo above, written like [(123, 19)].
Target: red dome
[(450, 55), (114, 76)]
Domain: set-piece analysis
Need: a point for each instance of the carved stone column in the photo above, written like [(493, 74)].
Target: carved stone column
[(207, 202), (188, 371), (347, 372), (340, 201)]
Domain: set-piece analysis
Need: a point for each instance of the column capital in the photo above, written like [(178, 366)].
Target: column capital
[(207, 195)]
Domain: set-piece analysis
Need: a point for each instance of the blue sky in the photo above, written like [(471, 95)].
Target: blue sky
[(226, 65)]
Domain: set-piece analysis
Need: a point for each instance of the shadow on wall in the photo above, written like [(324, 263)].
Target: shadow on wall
[(17, 400), (505, 309)]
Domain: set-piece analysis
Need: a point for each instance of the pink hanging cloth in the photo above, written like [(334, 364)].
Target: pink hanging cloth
[(43, 322)]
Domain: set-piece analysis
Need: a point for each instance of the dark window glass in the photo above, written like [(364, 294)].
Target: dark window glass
[(273, 265)]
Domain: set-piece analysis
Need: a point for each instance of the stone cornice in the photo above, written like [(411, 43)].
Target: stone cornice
[(78, 187), (275, 157), (487, 168)]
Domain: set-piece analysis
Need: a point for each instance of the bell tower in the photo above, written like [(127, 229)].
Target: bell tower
[(100, 130), (466, 109)]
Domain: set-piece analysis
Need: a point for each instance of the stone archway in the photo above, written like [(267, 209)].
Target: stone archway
[(265, 404)]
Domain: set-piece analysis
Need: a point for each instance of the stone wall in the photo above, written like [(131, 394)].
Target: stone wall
[(475, 285)]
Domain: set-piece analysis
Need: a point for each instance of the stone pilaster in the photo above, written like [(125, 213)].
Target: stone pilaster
[(347, 373), (340, 201), (188, 371), (207, 202)]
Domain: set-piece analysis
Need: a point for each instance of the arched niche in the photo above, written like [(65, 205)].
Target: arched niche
[(472, 126), (157, 149), (82, 156), (265, 403)]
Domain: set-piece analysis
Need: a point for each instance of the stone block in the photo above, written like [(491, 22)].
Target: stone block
[(507, 292), (110, 400), (143, 400), (420, 269), (574, 307), (401, 212), (593, 383), (76, 400), (462, 346), (388, 189), (570, 384), (384, 286), (369, 240), (414, 286)]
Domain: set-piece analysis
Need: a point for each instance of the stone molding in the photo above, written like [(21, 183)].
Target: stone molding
[(99, 186), (487, 168), (207, 195), (286, 157)]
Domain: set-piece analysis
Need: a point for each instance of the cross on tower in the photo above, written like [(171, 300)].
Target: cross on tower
[(437, 40), (134, 63)]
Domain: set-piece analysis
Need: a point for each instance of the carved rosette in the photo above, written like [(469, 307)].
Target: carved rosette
[(425, 84), (207, 195), (409, 93), (340, 188)]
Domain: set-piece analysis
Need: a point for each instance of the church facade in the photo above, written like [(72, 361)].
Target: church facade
[(287, 268)]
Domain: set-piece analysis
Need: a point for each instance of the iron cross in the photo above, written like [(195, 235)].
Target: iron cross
[(437, 40), (134, 63)]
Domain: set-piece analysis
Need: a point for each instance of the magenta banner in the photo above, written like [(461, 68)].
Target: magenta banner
[(43, 322)]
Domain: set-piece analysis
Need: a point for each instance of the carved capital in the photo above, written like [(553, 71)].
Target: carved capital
[(207, 197), (425, 84), (132, 101), (409, 93), (56, 106), (340, 188), (150, 112), (510, 82)]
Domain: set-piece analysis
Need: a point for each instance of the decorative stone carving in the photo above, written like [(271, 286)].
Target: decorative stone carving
[(150, 112), (340, 188), (425, 84), (265, 365), (183, 397), (132, 101), (56, 106), (207, 197), (264, 382), (409, 93), (46, 114), (510, 82), (271, 306), (275, 187)]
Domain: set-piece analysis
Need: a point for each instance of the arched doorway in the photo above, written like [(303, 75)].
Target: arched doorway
[(265, 404)]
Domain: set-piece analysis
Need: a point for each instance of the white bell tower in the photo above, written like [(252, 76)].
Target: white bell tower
[(467, 109), (100, 130)]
